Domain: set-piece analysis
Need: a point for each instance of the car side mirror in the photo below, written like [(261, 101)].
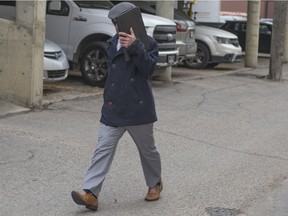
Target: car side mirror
[(54, 6)]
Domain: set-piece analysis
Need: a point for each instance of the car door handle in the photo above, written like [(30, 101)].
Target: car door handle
[(80, 18)]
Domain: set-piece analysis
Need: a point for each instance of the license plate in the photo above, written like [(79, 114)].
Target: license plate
[(171, 59)]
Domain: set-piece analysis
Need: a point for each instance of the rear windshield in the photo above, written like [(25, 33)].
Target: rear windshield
[(95, 4)]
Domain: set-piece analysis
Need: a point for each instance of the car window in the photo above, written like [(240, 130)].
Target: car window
[(8, 3), (264, 29), (243, 27), (8, 10), (95, 4), (237, 27), (180, 15), (230, 26)]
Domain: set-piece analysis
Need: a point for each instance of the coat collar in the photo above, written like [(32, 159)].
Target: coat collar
[(113, 40)]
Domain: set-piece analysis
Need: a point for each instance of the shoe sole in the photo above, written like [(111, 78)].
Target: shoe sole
[(151, 200), (79, 201), (93, 208)]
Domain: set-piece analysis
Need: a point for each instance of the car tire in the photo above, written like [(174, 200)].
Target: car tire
[(202, 57), (93, 64)]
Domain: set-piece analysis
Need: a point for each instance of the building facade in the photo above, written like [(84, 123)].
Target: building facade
[(266, 7)]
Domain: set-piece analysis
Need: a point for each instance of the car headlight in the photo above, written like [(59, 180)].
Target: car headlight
[(222, 40)]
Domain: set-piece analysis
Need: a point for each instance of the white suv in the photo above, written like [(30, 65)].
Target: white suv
[(214, 46)]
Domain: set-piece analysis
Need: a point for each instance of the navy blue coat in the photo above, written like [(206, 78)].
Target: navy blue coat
[(128, 97)]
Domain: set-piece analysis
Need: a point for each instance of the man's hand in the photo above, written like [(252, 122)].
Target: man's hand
[(127, 39)]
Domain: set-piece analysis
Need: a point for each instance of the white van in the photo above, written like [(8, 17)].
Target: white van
[(81, 29)]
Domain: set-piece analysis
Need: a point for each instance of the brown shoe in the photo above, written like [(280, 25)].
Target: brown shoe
[(154, 192), (88, 199)]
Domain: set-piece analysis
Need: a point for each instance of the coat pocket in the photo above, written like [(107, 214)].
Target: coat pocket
[(133, 91)]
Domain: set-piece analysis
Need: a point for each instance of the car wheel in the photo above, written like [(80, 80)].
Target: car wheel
[(93, 64), (202, 57)]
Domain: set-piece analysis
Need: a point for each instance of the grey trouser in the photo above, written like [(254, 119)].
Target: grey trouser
[(104, 153)]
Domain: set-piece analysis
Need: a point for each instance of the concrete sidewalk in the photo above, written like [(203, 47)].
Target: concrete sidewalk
[(7, 108)]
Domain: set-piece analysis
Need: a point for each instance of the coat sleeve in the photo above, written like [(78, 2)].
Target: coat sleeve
[(144, 60)]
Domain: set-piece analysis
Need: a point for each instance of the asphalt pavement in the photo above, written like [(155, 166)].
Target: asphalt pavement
[(222, 135)]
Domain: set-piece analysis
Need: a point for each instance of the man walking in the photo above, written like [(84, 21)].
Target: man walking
[(128, 106)]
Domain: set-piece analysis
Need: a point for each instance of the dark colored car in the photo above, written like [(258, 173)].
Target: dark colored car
[(239, 28)]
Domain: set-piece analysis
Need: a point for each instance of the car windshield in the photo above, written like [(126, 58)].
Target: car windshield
[(95, 4)]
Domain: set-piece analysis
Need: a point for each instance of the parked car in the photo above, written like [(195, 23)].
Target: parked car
[(56, 65), (186, 34), (214, 46), (185, 31), (185, 38), (239, 28)]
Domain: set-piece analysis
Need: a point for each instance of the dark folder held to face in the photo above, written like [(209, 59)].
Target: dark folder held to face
[(133, 18)]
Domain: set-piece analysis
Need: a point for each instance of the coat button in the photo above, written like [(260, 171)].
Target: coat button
[(110, 103), (113, 65), (132, 80)]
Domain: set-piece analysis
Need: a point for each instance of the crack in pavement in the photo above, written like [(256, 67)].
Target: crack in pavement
[(203, 95), (223, 147)]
